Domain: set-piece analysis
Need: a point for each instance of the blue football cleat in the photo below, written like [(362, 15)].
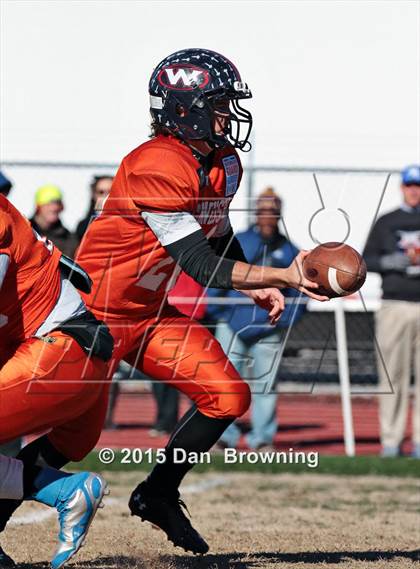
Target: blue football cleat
[(80, 497)]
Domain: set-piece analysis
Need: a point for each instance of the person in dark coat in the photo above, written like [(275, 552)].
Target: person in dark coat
[(46, 219), (393, 251), (100, 187)]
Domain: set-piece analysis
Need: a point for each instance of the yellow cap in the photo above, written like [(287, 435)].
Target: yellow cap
[(269, 198), (47, 194)]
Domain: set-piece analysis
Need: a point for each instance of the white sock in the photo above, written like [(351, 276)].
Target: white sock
[(11, 478)]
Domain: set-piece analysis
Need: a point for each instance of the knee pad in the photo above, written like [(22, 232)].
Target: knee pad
[(242, 401), (232, 404)]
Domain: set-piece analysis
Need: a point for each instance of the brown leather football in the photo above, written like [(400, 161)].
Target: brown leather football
[(336, 267)]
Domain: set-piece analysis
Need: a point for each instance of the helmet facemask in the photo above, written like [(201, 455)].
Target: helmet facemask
[(235, 122), (238, 118)]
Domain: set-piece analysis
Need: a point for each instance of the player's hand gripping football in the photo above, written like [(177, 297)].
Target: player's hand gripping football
[(270, 299), (297, 280)]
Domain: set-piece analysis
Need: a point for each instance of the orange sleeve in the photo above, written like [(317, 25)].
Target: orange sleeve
[(162, 179), (5, 233), (156, 191)]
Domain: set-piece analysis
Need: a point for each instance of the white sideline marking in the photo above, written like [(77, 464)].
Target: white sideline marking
[(33, 517), (204, 485), (37, 517)]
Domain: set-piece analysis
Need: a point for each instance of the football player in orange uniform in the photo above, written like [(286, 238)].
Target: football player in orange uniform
[(52, 371), (168, 211)]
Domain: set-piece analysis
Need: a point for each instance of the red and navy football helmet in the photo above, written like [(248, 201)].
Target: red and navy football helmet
[(190, 87)]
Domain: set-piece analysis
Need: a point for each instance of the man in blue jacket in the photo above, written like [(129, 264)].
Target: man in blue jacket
[(252, 344)]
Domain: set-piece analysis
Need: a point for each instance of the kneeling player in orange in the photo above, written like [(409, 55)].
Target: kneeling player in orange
[(52, 375), (167, 211)]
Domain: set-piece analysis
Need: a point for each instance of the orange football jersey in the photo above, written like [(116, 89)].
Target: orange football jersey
[(130, 268), (31, 284)]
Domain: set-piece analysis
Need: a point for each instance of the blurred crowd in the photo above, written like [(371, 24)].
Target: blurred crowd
[(254, 347)]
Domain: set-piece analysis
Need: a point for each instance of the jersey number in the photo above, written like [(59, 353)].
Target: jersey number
[(155, 276)]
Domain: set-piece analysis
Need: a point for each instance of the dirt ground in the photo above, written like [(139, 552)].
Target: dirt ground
[(250, 521)]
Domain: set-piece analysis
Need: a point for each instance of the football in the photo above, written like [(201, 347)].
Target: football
[(338, 269)]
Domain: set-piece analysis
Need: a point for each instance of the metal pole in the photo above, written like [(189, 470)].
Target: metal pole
[(344, 375), (250, 170)]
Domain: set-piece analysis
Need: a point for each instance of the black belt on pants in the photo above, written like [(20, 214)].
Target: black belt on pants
[(92, 335)]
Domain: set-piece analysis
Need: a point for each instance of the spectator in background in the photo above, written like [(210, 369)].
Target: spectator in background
[(167, 408), (250, 342), (46, 220), (5, 185), (100, 187), (393, 251)]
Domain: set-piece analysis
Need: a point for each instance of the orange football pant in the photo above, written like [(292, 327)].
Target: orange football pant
[(180, 351), (53, 386)]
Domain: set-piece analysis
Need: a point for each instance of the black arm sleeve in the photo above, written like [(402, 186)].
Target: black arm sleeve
[(196, 257), (228, 246)]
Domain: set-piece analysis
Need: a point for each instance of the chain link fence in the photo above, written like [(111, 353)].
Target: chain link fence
[(310, 353)]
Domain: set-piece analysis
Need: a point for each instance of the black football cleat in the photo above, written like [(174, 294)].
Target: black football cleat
[(167, 514), (5, 560)]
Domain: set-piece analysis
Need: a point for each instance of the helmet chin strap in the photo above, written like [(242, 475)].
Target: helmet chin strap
[(201, 146)]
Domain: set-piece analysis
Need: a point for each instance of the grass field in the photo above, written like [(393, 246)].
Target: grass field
[(340, 465), (251, 520)]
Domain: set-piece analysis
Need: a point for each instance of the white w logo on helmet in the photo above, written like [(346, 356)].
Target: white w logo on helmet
[(184, 78)]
